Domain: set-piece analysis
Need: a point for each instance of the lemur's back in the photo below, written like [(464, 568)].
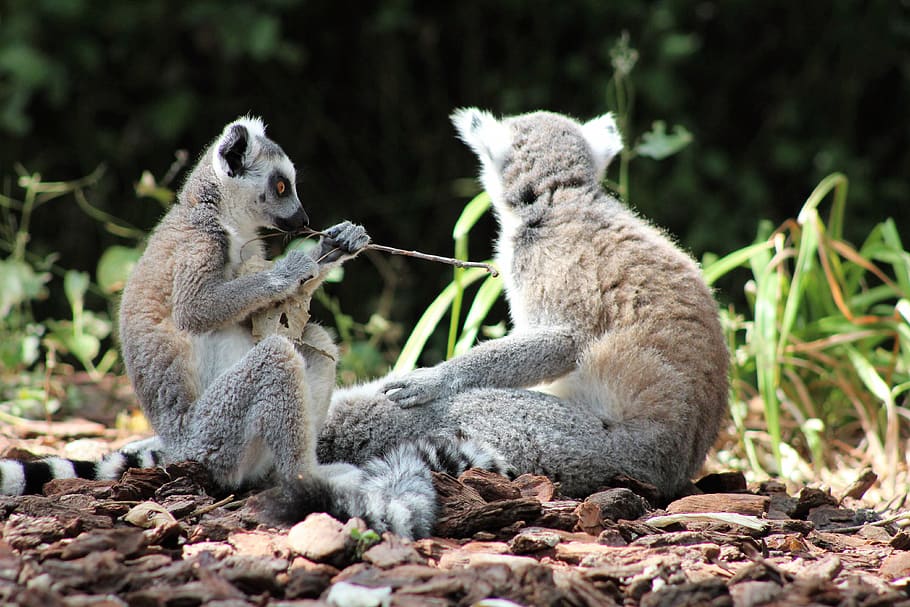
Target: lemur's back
[(598, 267), (147, 332)]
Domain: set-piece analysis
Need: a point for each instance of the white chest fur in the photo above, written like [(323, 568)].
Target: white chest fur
[(217, 351)]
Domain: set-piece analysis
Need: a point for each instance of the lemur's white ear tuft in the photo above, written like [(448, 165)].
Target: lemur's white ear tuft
[(603, 136), (237, 146), (489, 138)]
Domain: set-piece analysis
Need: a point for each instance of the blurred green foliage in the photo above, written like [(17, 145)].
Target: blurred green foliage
[(775, 95)]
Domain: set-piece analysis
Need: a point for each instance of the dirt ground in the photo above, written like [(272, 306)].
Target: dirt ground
[(163, 537)]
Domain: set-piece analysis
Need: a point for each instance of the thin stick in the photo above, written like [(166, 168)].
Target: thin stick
[(418, 255), (206, 509), (885, 521), (426, 256)]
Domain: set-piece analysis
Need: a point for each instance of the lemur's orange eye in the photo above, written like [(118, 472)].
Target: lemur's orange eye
[(279, 187)]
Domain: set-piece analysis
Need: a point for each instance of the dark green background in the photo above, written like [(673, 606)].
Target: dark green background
[(777, 95)]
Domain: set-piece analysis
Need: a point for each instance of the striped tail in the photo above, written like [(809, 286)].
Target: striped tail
[(26, 477), (392, 492)]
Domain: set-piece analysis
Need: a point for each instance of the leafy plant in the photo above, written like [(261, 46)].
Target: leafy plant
[(656, 143), (826, 348), (364, 540), (29, 347)]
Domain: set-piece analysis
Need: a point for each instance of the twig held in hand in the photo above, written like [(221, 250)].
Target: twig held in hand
[(426, 256), (458, 263)]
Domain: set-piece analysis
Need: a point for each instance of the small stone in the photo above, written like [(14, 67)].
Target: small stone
[(321, 538), (391, 552), (619, 503), (344, 594), (611, 537), (878, 534), (258, 543), (530, 541), (824, 569), (750, 593)]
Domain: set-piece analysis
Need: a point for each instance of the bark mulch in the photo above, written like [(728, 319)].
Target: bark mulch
[(162, 537)]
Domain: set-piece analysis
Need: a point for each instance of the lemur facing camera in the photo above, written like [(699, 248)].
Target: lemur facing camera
[(249, 411), (616, 362)]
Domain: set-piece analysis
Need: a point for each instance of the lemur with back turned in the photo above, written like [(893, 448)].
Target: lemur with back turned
[(249, 410), (616, 362)]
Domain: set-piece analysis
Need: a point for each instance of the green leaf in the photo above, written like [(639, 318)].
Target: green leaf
[(75, 284), (658, 144), (115, 266), (20, 283), (84, 347)]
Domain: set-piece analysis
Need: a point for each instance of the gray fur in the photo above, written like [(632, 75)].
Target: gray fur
[(616, 362), (248, 411), (392, 489)]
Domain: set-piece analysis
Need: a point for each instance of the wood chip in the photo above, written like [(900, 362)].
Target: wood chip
[(753, 505)]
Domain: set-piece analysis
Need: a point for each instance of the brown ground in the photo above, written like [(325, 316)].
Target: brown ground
[(515, 540)]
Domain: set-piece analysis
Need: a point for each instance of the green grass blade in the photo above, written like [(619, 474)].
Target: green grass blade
[(765, 344), (458, 296), (805, 260), (487, 295), (901, 258), (903, 308), (428, 322), (878, 387), (837, 182), (472, 212), (715, 270)]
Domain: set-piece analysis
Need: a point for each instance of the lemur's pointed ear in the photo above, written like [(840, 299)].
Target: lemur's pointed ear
[(603, 136), (489, 138), (237, 146)]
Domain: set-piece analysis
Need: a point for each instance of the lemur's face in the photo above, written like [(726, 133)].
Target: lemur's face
[(257, 179)]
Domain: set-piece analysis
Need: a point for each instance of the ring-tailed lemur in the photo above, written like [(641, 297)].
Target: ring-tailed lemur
[(250, 412), (616, 362)]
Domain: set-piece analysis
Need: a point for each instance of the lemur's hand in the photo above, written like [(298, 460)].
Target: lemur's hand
[(294, 269), (343, 240), (416, 388)]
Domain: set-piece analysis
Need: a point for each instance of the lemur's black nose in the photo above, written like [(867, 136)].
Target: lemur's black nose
[(293, 223)]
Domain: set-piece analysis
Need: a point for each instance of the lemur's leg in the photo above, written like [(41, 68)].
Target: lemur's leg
[(255, 419), (321, 356)]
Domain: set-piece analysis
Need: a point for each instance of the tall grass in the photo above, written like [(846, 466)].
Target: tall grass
[(825, 345), (461, 336)]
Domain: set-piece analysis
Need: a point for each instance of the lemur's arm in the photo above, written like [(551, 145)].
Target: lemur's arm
[(202, 300), (521, 359)]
